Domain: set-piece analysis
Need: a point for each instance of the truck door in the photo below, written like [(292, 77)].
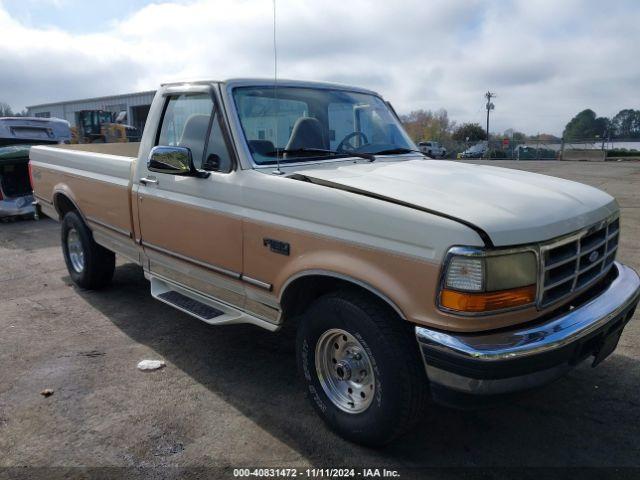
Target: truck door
[(191, 228)]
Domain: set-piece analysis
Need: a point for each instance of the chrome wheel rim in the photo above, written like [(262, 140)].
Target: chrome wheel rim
[(345, 371), (76, 252)]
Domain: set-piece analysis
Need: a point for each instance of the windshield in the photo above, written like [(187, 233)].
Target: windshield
[(296, 123)]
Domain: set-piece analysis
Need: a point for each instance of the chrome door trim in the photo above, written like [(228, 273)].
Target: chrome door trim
[(224, 271), (257, 283), (200, 263)]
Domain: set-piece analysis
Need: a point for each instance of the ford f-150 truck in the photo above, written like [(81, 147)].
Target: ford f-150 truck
[(306, 206)]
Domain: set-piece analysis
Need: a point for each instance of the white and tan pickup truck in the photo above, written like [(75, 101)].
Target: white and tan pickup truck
[(306, 206)]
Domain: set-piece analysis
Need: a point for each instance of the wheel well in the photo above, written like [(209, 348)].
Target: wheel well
[(303, 291), (63, 205)]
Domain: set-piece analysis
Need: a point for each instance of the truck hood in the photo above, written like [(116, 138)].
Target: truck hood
[(513, 207)]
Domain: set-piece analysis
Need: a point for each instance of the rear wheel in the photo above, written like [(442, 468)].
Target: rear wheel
[(90, 265), (361, 367)]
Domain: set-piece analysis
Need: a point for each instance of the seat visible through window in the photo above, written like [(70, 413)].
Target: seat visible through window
[(307, 132), (194, 136)]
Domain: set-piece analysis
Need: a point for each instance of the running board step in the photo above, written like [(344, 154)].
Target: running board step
[(201, 306), (194, 307)]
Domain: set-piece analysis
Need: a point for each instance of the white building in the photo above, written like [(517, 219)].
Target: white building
[(135, 104)]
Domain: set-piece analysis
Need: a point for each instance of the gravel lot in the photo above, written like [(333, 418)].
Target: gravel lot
[(229, 396)]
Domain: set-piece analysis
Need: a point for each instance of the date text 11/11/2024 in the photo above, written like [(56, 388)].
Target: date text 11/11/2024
[(316, 473)]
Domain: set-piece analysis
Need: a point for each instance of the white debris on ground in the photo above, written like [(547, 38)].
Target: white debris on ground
[(151, 364), (47, 392)]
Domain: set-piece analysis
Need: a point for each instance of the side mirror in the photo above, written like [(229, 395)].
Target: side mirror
[(174, 161)]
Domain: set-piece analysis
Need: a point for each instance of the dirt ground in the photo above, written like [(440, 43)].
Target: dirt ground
[(229, 396)]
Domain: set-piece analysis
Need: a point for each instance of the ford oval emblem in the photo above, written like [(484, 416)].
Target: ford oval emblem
[(593, 256)]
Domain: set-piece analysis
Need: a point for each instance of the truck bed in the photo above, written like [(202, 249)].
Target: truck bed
[(127, 149), (94, 177)]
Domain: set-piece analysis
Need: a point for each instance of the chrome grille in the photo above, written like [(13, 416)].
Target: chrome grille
[(571, 264)]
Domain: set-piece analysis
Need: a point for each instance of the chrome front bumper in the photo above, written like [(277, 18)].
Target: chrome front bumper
[(516, 359)]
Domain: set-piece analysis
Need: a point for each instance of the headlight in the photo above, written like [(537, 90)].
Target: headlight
[(478, 281)]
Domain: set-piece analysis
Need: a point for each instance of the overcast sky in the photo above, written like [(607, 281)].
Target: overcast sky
[(545, 59)]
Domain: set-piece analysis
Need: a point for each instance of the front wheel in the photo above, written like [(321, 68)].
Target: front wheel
[(90, 265), (361, 367)]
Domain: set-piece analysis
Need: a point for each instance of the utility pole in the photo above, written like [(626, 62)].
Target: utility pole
[(490, 106)]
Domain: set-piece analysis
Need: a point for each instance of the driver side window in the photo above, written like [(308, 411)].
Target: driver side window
[(186, 122)]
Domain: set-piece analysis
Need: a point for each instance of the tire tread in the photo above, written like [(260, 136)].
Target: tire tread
[(99, 262), (400, 333), (397, 339)]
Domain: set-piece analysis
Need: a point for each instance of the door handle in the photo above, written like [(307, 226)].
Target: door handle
[(146, 180)]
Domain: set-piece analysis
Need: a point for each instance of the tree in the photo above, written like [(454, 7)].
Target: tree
[(428, 125), (471, 131), (5, 110), (514, 135), (585, 125), (546, 138), (626, 124)]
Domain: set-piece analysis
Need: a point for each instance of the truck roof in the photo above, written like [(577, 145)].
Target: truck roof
[(284, 82)]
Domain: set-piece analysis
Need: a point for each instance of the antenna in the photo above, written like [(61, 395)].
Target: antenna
[(275, 88)]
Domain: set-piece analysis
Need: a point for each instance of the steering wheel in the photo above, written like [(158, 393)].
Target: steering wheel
[(346, 146)]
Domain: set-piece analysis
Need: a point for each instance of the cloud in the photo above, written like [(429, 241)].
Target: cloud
[(546, 60)]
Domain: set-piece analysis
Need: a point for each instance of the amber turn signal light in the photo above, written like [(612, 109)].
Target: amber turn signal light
[(487, 301)]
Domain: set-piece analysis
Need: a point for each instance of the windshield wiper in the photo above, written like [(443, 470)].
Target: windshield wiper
[(367, 156), (398, 151)]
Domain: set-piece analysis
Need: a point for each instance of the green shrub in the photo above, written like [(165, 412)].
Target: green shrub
[(498, 154), (623, 152), (532, 153)]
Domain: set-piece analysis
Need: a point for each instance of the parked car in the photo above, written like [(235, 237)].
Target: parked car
[(16, 136), (476, 151), (403, 278), (433, 149), (15, 189), (33, 130)]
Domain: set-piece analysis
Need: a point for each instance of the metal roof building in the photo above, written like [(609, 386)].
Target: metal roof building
[(135, 104)]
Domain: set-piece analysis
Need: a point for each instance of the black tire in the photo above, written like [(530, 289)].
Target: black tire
[(99, 263), (401, 388)]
